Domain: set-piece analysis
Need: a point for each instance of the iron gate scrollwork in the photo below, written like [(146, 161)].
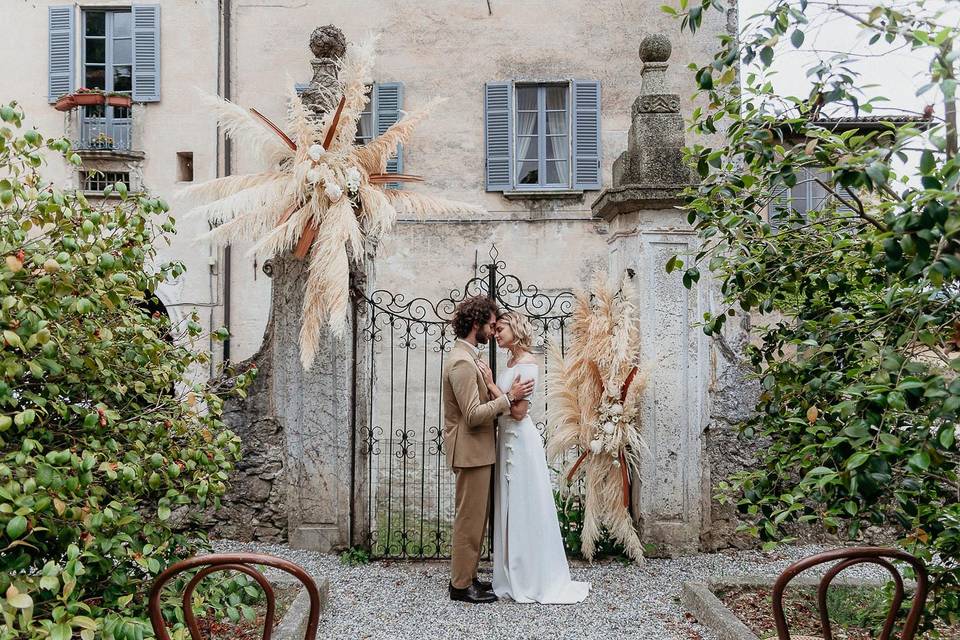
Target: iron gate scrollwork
[(408, 504)]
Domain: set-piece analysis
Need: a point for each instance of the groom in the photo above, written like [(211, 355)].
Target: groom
[(468, 416)]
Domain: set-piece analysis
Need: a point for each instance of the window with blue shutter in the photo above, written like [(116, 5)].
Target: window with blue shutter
[(542, 136), (61, 53), (498, 135), (586, 134), (146, 52), (388, 101)]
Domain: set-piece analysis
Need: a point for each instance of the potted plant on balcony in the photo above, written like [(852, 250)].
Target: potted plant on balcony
[(65, 102), (86, 97), (115, 99), (101, 141)]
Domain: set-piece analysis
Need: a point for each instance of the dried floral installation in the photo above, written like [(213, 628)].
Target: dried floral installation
[(593, 405), (322, 196)]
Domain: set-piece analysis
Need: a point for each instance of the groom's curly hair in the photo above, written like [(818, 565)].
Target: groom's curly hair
[(472, 311)]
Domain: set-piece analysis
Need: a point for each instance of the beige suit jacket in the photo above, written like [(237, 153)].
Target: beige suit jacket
[(468, 412)]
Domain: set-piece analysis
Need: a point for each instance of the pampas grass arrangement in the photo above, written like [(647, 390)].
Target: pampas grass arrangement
[(593, 406), (320, 195)]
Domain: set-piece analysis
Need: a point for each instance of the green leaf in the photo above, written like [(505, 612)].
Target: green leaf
[(766, 56), (19, 600), (920, 460), (163, 512), (16, 527), (796, 38), (948, 436), (927, 163), (857, 460), (60, 632)]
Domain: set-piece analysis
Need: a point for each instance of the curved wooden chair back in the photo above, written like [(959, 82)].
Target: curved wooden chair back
[(244, 563), (846, 558)]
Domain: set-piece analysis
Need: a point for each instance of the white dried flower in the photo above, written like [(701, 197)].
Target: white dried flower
[(616, 409), (596, 446), (313, 176), (316, 151), (616, 464), (609, 428), (333, 191), (352, 174)]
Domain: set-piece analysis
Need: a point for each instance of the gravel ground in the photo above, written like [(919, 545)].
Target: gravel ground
[(409, 599)]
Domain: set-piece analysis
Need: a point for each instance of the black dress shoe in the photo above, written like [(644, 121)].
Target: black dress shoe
[(471, 594), (483, 586)]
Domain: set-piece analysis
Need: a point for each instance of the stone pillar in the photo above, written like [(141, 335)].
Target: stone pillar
[(315, 406), (298, 427), (671, 493)]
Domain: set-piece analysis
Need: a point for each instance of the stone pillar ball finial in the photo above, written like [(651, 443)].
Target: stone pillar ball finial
[(328, 42), (655, 48)]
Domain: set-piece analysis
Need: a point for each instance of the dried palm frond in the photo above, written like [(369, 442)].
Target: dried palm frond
[(305, 201), (374, 155), (301, 125), (357, 72), (222, 187), (593, 403), (327, 295), (422, 204), (248, 213), (248, 131), (563, 413)]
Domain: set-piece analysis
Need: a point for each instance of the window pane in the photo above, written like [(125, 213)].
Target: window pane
[(556, 98), (557, 147), (528, 173), (93, 78), (122, 51), (121, 24), (121, 113), (527, 124), (557, 122), (527, 98), (365, 128), (96, 50), (121, 78), (93, 111), (96, 23), (527, 148), (556, 171)]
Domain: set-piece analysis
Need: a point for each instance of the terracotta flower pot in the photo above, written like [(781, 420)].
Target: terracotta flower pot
[(119, 101), (66, 103), (88, 99)]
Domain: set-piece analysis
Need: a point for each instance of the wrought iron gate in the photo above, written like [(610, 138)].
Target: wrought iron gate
[(408, 504)]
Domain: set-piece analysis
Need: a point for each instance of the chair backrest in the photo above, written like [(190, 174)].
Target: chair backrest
[(846, 558), (244, 563)]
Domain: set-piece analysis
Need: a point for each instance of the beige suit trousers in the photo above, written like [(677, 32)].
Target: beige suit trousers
[(470, 522)]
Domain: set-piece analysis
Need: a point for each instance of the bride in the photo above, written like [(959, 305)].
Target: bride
[(529, 563)]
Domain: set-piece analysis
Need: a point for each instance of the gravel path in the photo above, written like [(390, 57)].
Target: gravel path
[(399, 600)]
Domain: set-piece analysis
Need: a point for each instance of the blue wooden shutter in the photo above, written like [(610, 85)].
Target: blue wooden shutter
[(498, 135), (146, 52), (387, 105), (62, 54), (586, 134)]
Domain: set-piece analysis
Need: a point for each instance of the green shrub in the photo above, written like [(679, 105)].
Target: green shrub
[(96, 450)]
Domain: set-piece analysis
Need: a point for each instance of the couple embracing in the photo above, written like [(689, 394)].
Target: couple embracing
[(488, 432)]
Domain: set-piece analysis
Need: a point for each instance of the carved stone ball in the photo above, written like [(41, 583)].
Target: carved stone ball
[(328, 42), (655, 48)]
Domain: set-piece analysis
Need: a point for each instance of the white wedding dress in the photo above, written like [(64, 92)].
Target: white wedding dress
[(529, 563)]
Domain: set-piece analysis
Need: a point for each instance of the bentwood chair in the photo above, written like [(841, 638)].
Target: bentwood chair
[(846, 558), (244, 563)]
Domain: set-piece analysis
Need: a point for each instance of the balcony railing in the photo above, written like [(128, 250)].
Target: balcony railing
[(104, 128)]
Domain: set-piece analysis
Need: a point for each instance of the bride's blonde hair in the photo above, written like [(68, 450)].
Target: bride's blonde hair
[(521, 328)]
